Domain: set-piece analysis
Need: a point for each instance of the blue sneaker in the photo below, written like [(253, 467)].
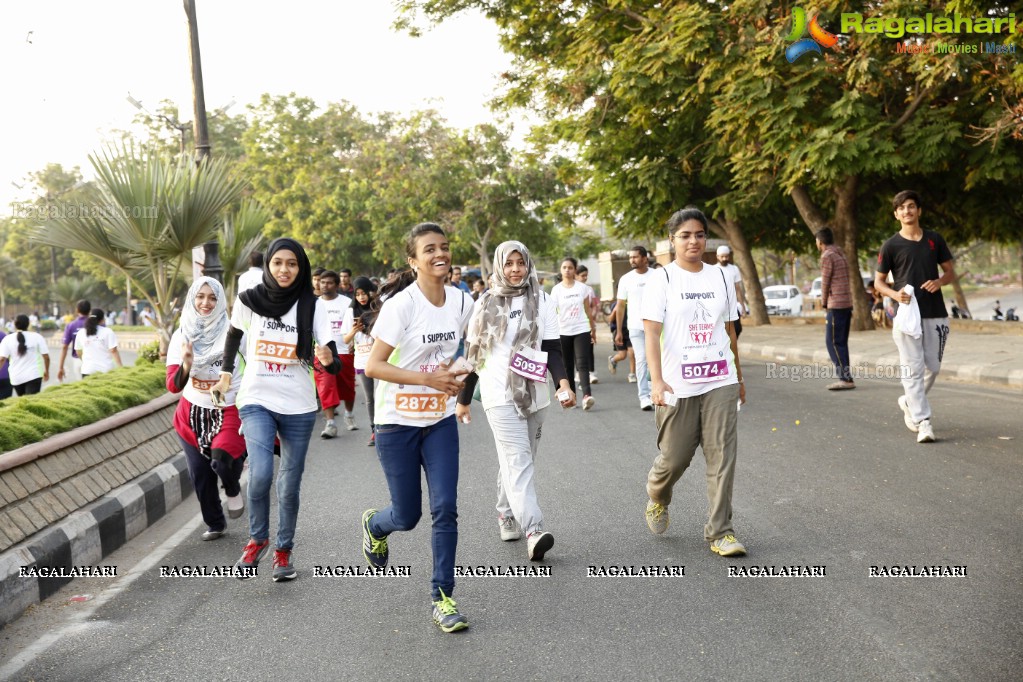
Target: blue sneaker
[(446, 615), (373, 548)]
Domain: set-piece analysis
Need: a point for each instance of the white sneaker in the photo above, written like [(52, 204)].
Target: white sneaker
[(632, 378), (646, 404), (509, 528), (906, 417), (350, 422), (330, 430), (577, 378), (539, 543), (235, 506), (926, 432), (588, 402), (594, 379)]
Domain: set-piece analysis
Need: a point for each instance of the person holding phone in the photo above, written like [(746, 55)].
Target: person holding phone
[(416, 334), (207, 427), (363, 310), (695, 378), (514, 342)]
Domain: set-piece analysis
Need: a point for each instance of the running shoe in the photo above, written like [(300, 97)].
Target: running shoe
[(727, 546), (588, 402), (906, 416), (284, 569), (509, 528), (612, 364), (253, 552), (841, 386), (632, 377), (593, 378), (656, 517), (646, 404), (212, 534), (926, 432), (329, 431), (350, 422), (373, 548), (539, 543), (235, 505), (446, 615)]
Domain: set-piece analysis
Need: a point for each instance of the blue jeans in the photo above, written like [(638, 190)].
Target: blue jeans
[(260, 427), (402, 451), (638, 337), (837, 337)]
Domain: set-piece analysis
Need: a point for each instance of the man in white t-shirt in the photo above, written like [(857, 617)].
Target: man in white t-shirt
[(334, 389), (724, 255), (696, 380), (254, 275), (630, 310)]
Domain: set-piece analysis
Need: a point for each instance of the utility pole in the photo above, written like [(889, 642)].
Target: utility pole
[(202, 136)]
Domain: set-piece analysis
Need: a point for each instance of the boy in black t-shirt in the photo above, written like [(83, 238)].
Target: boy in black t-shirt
[(919, 258)]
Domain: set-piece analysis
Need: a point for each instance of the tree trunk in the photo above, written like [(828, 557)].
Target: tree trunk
[(960, 295), (732, 230), (845, 215)]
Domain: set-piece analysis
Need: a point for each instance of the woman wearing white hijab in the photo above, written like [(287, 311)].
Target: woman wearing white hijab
[(209, 433), (514, 341)]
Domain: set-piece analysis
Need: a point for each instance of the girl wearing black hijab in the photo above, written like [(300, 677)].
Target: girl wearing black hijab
[(280, 318), (364, 308)]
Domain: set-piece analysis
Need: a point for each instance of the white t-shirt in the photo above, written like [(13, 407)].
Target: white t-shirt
[(422, 336), (630, 290), (27, 367), (339, 312), (571, 306), (95, 351), (493, 373), (733, 276), (274, 376), (197, 387), (696, 355), (363, 343), (249, 279)]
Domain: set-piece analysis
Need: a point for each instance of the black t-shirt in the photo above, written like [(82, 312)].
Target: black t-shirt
[(914, 263)]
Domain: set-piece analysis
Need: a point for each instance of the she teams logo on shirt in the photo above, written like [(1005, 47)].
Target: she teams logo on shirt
[(701, 329)]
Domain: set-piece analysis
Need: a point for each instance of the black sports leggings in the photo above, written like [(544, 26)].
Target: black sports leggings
[(575, 348)]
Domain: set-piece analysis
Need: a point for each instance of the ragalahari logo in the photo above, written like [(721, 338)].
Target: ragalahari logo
[(818, 36)]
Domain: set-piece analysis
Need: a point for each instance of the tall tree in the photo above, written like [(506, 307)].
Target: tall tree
[(145, 213)]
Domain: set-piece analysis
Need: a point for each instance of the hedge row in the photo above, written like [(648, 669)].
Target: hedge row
[(57, 409)]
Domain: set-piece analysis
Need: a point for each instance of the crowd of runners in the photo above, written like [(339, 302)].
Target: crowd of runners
[(253, 376)]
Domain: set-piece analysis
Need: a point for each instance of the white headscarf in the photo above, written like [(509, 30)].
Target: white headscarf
[(205, 331)]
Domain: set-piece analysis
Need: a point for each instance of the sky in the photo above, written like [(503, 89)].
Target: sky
[(68, 67)]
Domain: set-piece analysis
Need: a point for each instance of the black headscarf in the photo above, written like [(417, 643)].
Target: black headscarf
[(366, 284), (269, 299)]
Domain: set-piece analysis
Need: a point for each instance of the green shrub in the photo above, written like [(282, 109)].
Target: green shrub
[(48, 325), (148, 353), (133, 328), (57, 409)]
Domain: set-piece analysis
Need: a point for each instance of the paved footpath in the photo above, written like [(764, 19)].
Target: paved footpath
[(830, 480)]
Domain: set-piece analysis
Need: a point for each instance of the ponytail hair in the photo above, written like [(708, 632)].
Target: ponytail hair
[(21, 324), (95, 317)]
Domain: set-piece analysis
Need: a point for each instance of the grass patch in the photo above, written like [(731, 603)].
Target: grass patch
[(57, 409)]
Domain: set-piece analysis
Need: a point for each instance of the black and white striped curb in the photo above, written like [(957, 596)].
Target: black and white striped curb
[(88, 535)]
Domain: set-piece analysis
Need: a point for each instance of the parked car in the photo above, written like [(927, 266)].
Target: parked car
[(815, 289), (783, 299)]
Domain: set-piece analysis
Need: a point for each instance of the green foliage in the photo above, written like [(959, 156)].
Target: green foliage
[(148, 353), (57, 409)]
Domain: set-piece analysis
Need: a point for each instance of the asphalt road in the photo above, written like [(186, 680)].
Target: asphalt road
[(824, 479)]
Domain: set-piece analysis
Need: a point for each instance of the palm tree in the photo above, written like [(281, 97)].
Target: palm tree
[(240, 234), (10, 271), (143, 215), (69, 290)]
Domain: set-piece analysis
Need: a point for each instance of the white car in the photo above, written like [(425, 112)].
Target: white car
[(783, 299)]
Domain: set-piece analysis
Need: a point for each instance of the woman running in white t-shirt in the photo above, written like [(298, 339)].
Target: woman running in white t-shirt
[(96, 345), (416, 334), (281, 319), (513, 342), (576, 325), (29, 358), (359, 336)]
